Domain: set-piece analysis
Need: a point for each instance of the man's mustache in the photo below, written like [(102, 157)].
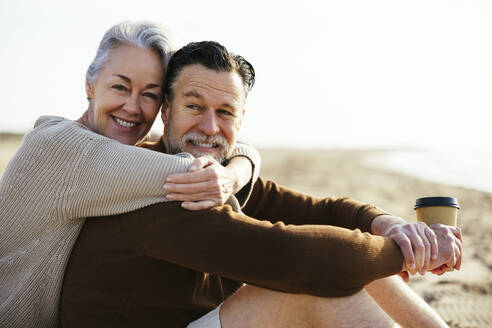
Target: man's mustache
[(199, 138)]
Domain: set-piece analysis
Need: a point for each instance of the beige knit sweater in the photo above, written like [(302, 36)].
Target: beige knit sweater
[(61, 174)]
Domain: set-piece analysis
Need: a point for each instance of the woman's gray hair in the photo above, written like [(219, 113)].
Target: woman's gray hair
[(143, 35)]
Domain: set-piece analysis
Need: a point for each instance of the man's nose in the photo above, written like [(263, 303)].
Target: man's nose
[(208, 123)]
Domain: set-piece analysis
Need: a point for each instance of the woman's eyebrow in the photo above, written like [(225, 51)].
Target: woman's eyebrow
[(127, 79)]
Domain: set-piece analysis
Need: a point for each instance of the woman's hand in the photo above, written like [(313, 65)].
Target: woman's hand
[(206, 184)]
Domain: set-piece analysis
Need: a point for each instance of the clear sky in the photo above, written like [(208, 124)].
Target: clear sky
[(329, 73)]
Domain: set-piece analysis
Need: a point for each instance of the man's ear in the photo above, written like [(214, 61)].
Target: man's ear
[(240, 121), (89, 89)]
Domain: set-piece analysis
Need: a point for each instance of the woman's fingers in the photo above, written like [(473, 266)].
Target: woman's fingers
[(177, 197), (192, 188), (197, 172), (196, 206), (210, 185), (203, 174), (201, 162)]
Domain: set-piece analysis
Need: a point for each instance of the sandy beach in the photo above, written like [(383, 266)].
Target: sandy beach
[(463, 298)]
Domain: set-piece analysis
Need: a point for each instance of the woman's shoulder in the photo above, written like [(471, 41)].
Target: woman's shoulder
[(57, 130), (49, 120), (61, 126)]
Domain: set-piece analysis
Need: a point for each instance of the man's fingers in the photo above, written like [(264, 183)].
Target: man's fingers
[(404, 275), (459, 245), (406, 249), (196, 206), (419, 249), (427, 254), (431, 237), (441, 270), (457, 232)]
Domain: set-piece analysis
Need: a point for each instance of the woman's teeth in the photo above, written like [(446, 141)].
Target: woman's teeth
[(125, 124)]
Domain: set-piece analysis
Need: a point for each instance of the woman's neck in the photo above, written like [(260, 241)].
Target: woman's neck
[(84, 120)]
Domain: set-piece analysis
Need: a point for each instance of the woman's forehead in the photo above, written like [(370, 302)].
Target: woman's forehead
[(131, 60)]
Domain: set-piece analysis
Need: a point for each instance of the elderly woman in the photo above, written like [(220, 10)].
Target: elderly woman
[(68, 170)]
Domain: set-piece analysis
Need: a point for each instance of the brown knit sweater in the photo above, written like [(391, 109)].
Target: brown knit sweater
[(163, 266), (61, 174)]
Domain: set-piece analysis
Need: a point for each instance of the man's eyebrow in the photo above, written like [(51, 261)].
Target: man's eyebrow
[(228, 106), (193, 93), (127, 79)]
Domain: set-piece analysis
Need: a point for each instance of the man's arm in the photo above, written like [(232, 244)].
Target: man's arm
[(273, 202), (417, 242), (311, 259)]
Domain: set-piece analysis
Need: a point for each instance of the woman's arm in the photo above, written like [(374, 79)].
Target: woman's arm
[(98, 176), (88, 174)]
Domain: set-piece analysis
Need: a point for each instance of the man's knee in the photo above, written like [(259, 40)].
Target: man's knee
[(254, 306)]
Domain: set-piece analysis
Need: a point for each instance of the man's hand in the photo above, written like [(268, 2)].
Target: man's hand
[(450, 243), (418, 243), (206, 184)]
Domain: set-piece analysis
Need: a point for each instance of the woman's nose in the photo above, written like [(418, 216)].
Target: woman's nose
[(131, 105)]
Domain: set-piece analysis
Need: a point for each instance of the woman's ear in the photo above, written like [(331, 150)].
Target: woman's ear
[(89, 88)]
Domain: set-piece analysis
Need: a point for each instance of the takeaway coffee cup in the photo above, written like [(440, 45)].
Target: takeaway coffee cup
[(442, 210)]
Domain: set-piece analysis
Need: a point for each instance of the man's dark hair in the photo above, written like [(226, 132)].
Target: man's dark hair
[(213, 56)]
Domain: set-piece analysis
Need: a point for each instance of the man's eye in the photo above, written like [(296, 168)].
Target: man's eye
[(192, 106), (226, 113), (119, 87)]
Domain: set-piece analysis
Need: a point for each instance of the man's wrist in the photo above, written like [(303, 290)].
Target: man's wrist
[(382, 223)]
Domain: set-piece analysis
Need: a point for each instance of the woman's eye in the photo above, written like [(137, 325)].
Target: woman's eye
[(150, 95), (119, 87)]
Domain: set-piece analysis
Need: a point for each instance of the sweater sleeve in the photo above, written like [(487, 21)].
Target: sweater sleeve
[(248, 151), (273, 202), (318, 260), (115, 178), (91, 175)]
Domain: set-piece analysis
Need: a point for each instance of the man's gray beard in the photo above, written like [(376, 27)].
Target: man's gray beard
[(175, 147)]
